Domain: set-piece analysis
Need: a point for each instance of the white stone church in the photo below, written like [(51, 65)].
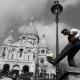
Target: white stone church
[(29, 50)]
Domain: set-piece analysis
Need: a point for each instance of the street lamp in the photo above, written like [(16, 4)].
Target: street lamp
[(57, 9)]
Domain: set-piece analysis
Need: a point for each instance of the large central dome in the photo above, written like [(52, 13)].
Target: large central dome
[(28, 29)]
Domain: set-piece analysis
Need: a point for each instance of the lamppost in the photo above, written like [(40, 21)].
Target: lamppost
[(57, 9)]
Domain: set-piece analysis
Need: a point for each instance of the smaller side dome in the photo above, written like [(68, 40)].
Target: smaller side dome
[(9, 40), (43, 42)]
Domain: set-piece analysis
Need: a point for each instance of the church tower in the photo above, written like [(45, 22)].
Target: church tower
[(42, 53), (6, 46)]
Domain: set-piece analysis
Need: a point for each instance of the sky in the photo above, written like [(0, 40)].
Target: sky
[(15, 13)]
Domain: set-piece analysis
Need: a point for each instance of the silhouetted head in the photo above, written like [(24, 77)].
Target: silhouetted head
[(65, 31)]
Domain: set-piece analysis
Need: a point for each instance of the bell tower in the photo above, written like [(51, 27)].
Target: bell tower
[(42, 53)]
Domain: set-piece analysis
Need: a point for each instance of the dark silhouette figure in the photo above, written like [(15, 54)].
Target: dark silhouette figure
[(70, 49)]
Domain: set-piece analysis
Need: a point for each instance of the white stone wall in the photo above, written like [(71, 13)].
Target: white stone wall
[(20, 63), (32, 53)]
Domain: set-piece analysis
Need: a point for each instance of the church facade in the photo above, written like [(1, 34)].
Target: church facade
[(29, 50)]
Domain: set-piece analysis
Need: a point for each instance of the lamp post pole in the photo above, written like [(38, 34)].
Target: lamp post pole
[(57, 35), (57, 9)]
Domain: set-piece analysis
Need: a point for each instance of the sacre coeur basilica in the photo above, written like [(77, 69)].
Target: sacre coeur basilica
[(28, 51)]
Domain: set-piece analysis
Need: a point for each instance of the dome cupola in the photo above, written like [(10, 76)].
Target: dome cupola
[(30, 29)]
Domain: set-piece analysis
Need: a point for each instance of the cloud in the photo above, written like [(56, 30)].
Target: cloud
[(67, 3), (16, 12)]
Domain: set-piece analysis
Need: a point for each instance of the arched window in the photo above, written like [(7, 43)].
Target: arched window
[(6, 67), (16, 65), (25, 68), (3, 54), (43, 51), (42, 70), (12, 56), (16, 68), (21, 50), (28, 57)]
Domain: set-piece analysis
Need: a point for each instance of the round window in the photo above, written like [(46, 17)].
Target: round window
[(42, 61)]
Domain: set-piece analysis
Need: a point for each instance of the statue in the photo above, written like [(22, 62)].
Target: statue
[(70, 49)]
